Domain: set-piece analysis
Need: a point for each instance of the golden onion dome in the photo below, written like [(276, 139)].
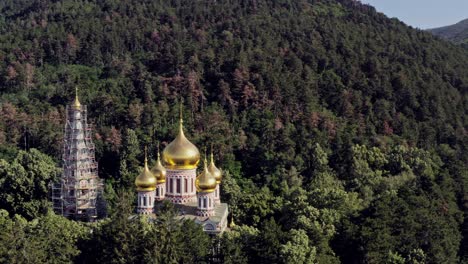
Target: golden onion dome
[(181, 153), (205, 182), (76, 104), (214, 170), (159, 171), (146, 180)]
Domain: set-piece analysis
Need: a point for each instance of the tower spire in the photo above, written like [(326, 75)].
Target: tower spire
[(211, 154), (76, 103), (205, 162), (181, 119), (159, 156), (180, 108), (146, 157)]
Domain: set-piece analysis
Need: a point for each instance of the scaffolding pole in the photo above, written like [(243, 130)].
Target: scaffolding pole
[(75, 194)]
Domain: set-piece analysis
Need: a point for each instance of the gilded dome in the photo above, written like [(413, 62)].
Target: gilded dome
[(181, 153), (214, 170), (146, 180), (159, 171), (205, 182)]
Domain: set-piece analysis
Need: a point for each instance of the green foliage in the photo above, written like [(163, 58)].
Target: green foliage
[(230, 191), (341, 133), (128, 238), (129, 164), (458, 33), (24, 183), (237, 245), (46, 239), (297, 250)]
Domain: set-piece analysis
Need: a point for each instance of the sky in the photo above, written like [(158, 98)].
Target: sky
[(423, 14)]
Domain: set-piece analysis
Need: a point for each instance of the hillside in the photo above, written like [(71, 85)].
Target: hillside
[(457, 33), (341, 132)]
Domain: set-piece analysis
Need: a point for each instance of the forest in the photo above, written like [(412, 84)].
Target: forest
[(341, 133), (457, 33)]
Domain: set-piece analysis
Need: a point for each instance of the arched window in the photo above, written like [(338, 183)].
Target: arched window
[(199, 202), (186, 185), (204, 202)]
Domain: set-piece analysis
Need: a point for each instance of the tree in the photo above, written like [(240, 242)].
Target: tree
[(130, 238), (47, 239), (24, 183), (238, 245), (298, 250), (129, 163)]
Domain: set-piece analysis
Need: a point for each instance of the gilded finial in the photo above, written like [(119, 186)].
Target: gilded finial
[(212, 160), (146, 156), (77, 103), (232, 224), (181, 119), (180, 109), (158, 150)]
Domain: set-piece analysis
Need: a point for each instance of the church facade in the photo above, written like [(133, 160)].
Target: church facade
[(174, 178)]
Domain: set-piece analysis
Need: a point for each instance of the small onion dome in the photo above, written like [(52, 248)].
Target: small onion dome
[(214, 170), (159, 171), (181, 153), (205, 182), (146, 180), (76, 104)]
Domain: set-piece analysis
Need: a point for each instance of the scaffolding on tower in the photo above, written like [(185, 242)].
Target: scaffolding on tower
[(75, 195)]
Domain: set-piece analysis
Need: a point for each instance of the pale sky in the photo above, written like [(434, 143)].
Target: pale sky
[(423, 14)]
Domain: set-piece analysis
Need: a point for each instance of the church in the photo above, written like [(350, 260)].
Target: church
[(175, 179)]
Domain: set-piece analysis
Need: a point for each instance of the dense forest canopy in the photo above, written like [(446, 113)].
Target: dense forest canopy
[(458, 33), (341, 132)]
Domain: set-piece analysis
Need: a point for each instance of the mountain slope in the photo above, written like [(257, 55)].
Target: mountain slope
[(457, 33), (326, 112), (338, 56)]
